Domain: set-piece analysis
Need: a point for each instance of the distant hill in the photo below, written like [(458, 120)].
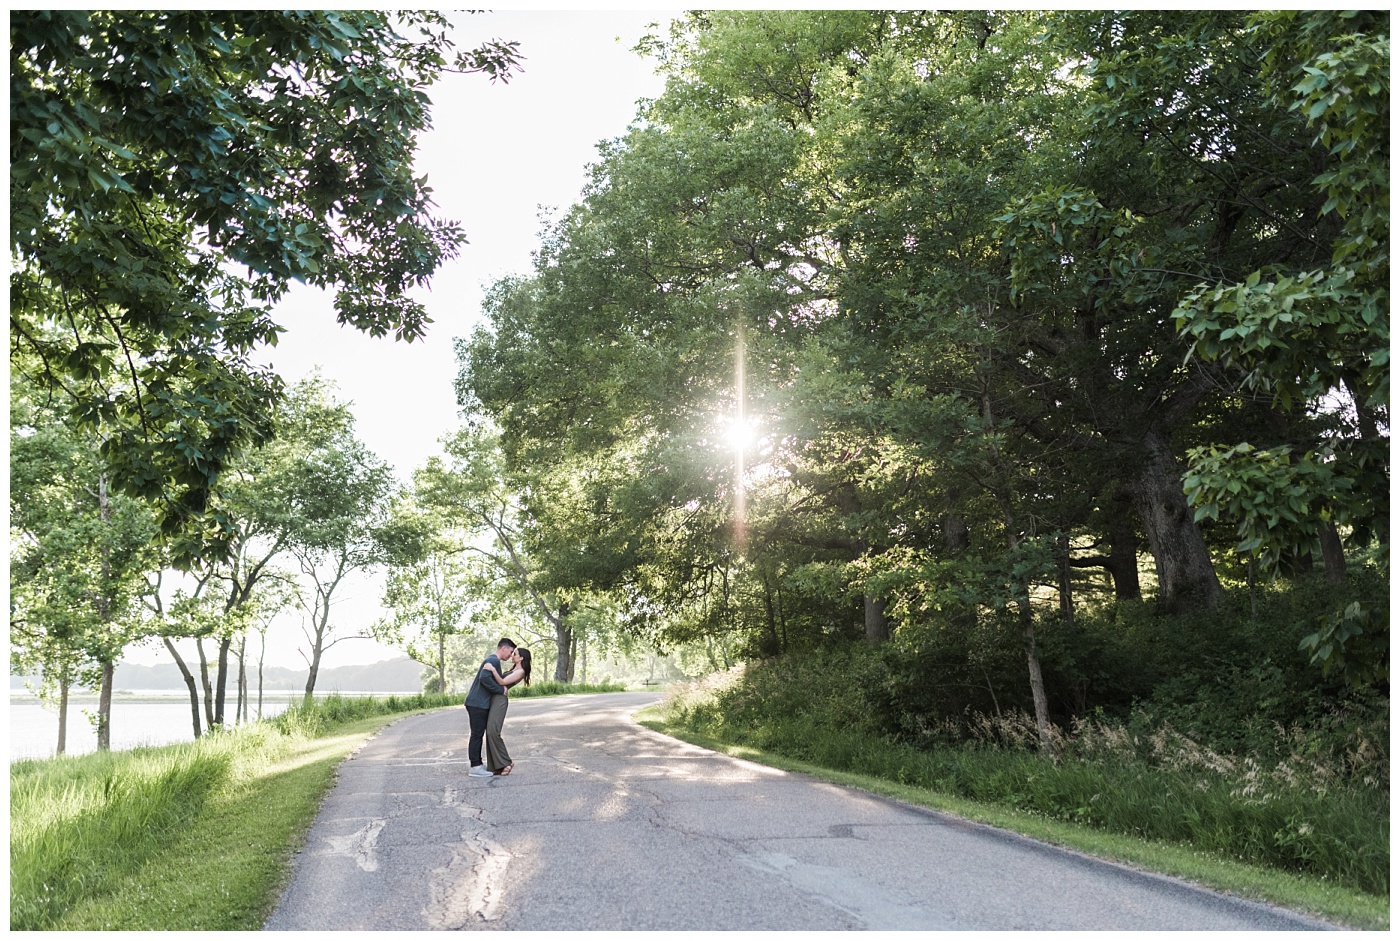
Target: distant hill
[(400, 675)]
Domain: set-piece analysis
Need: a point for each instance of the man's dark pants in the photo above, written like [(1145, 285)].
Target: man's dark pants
[(477, 718)]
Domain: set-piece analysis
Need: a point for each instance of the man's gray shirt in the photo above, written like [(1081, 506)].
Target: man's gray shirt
[(485, 685)]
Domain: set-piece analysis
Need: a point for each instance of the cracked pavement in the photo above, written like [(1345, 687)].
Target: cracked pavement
[(606, 825)]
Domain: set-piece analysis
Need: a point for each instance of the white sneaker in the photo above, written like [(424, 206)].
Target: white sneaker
[(480, 771)]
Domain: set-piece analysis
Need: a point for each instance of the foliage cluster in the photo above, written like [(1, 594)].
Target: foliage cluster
[(316, 717), (1230, 680), (173, 172), (90, 574), (552, 688)]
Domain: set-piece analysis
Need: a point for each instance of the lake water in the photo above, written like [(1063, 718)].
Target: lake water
[(155, 718)]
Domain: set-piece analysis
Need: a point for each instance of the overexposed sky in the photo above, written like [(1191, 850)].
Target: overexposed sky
[(497, 154)]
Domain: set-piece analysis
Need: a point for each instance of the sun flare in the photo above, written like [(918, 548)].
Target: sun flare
[(740, 434)]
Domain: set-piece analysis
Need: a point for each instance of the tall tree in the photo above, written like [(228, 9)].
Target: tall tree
[(952, 252), (80, 554), (492, 524), (335, 494), (429, 591), (1312, 334)]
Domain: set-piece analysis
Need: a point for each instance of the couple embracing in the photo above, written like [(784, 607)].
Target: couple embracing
[(486, 706)]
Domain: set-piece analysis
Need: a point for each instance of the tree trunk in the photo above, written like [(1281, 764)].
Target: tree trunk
[(1251, 578), (224, 644), (1334, 560), (1122, 554), (1066, 585), (313, 668), (877, 626), (1037, 680), (564, 644), (241, 716), (322, 623), (262, 654), (442, 662), (774, 644), (104, 707), (1023, 592), (1369, 423), (1186, 575), (189, 684), (63, 685), (104, 610), (710, 654), (957, 540), (782, 618), (1042, 707), (204, 681), (955, 533), (310, 693)]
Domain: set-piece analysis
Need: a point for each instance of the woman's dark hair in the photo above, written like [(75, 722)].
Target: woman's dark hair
[(524, 663)]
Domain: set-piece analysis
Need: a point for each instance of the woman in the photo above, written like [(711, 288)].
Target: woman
[(497, 758)]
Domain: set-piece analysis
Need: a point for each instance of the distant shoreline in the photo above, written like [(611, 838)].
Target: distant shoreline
[(391, 677)]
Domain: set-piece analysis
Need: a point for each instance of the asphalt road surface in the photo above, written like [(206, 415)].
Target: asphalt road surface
[(606, 825)]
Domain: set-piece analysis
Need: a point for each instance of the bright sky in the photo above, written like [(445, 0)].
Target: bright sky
[(496, 155)]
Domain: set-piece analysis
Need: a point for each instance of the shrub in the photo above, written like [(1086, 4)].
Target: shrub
[(311, 719), (553, 688)]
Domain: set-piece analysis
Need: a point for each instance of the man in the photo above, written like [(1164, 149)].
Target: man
[(479, 704)]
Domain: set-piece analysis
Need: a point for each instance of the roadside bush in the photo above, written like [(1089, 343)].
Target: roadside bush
[(311, 719), (553, 688), (1230, 679)]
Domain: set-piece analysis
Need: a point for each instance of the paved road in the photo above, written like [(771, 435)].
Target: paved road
[(606, 825)]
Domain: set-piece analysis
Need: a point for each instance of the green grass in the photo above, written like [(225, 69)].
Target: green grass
[(226, 869), (1325, 898), (195, 837)]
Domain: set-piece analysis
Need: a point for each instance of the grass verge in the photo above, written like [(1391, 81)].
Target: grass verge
[(1340, 904)]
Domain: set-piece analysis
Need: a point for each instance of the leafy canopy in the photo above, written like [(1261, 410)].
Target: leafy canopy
[(171, 172)]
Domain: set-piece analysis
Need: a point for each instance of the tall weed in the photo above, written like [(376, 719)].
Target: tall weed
[(320, 715)]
